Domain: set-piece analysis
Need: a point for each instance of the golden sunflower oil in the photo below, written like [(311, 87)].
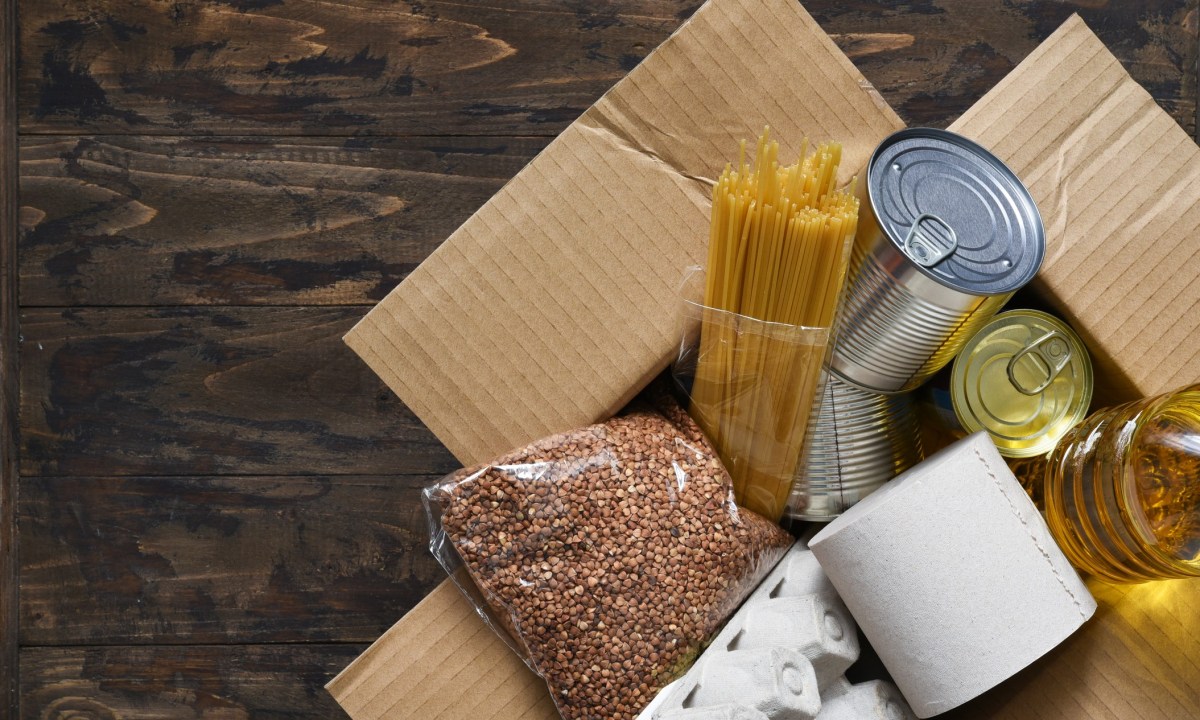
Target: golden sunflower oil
[(1122, 490)]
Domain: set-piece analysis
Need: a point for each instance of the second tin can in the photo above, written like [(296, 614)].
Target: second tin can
[(858, 440), (947, 233), (1026, 379)]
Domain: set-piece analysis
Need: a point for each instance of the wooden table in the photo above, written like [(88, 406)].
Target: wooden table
[(208, 505)]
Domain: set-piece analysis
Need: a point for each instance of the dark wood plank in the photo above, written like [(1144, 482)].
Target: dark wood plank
[(9, 370), (274, 682), (220, 560), (305, 66), (932, 59), (528, 68), (187, 391), (304, 221), (145, 221)]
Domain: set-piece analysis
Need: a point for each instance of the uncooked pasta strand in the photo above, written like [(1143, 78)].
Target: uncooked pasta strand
[(778, 247)]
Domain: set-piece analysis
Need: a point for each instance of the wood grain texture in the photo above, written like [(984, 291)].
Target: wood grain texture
[(273, 682), (187, 391), (220, 560), (185, 221), (282, 506), (932, 59), (9, 367), (527, 68), (309, 66)]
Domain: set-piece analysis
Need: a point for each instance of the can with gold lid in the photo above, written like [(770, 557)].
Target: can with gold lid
[(1026, 379)]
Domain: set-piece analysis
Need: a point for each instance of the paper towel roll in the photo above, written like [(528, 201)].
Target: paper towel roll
[(952, 575)]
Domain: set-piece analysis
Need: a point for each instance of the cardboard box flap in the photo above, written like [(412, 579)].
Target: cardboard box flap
[(1118, 184), (555, 303), (449, 665), (1136, 658)]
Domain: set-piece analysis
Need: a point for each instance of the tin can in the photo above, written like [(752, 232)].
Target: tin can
[(858, 440), (947, 233), (1026, 379)]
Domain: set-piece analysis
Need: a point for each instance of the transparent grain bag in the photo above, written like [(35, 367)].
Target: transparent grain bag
[(608, 557)]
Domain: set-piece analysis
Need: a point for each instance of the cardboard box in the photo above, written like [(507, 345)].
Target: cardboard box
[(1118, 184), (555, 303)]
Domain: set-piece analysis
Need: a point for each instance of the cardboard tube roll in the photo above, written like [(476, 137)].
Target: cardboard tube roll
[(952, 575)]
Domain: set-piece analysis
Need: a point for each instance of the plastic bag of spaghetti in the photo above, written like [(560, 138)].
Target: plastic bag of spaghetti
[(752, 388), (609, 556), (779, 245)]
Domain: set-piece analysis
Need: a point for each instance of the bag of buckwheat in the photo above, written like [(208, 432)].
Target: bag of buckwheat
[(610, 555)]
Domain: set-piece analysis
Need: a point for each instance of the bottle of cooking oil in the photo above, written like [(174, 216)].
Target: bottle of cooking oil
[(1122, 490)]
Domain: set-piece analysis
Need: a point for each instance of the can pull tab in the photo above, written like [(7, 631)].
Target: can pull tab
[(930, 240), (1051, 354)]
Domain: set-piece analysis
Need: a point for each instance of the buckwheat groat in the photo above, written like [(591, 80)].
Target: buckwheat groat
[(612, 554)]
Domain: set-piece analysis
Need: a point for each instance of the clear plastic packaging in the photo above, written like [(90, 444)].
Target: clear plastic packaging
[(610, 555), (753, 386)]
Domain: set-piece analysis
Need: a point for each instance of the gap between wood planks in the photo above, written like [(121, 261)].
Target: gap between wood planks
[(9, 379)]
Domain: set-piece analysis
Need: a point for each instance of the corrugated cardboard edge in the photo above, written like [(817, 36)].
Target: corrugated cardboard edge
[(556, 302), (1118, 183), (441, 661)]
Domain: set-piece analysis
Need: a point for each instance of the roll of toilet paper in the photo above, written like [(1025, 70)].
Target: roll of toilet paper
[(952, 575)]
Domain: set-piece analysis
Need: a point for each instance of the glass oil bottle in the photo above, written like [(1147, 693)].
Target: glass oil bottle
[(1122, 490)]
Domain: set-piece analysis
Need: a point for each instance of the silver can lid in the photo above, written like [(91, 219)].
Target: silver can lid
[(956, 211)]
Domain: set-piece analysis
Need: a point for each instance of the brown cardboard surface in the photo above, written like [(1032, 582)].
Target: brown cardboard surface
[(1118, 184), (1135, 659), (441, 661), (555, 303)]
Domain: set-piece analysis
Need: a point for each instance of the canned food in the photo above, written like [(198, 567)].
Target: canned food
[(947, 233), (1026, 379), (858, 440)]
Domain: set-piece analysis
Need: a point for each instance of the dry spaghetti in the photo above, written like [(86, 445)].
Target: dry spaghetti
[(778, 247)]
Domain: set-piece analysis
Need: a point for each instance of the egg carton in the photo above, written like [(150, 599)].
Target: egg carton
[(783, 656)]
